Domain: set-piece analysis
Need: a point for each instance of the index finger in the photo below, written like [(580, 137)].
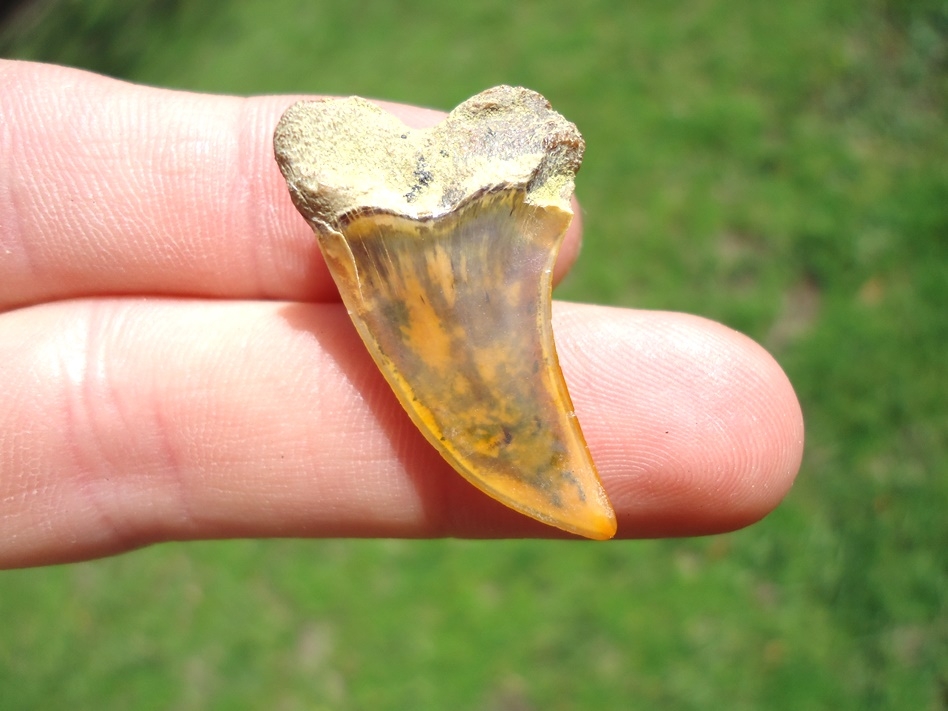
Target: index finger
[(111, 188)]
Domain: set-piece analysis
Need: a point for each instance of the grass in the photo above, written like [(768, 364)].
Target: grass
[(781, 168)]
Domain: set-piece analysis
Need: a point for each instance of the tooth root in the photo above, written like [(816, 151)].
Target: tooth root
[(454, 303)]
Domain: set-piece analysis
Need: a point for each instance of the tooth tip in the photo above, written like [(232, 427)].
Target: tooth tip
[(602, 528), (595, 522), (572, 500)]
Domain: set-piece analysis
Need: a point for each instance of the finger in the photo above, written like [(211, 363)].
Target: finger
[(112, 188), (129, 422)]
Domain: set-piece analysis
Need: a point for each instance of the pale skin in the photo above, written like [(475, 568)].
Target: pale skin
[(176, 364)]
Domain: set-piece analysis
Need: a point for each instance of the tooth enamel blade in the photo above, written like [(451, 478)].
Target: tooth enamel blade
[(442, 244)]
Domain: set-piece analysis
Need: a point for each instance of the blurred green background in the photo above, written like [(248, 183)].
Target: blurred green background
[(781, 167)]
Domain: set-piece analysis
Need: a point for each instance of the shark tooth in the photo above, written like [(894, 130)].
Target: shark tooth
[(442, 243)]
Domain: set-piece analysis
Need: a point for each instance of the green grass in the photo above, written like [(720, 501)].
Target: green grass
[(779, 167)]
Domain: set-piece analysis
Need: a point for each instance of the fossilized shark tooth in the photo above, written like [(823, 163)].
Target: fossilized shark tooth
[(442, 244)]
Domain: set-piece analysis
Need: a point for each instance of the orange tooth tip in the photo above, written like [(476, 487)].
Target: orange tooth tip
[(442, 244)]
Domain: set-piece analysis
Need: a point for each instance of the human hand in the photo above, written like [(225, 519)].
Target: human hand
[(176, 364)]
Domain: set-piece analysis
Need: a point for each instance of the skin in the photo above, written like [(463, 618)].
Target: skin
[(177, 365)]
